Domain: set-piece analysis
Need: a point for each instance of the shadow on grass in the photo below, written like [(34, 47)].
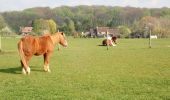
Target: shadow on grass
[(102, 45), (37, 70), (15, 70), (18, 70)]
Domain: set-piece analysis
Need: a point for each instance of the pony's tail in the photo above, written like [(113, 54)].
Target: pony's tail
[(21, 53)]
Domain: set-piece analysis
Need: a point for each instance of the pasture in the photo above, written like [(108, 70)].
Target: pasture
[(86, 71)]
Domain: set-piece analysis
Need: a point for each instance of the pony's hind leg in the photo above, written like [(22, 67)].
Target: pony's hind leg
[(22, 63), (27, 68), (24, 59), (23, 69)]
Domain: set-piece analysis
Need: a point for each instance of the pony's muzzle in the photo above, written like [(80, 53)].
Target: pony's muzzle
[(65, 44)]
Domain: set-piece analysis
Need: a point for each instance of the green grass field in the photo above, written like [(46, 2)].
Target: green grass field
[(86, 71)]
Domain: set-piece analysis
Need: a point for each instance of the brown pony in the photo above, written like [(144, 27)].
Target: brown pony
[(44, 45), (108, 42)]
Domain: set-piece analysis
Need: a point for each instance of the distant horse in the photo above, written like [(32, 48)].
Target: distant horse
[(109, 42), (154, 37), (44, 45)]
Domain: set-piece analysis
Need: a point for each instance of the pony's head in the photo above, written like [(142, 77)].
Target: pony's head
[(114, 38), (62, 39)]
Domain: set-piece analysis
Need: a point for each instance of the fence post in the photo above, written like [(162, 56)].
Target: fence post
[(107, 40), (0, 44), (150, 38)]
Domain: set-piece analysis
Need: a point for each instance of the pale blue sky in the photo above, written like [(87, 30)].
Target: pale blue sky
[(10, 5)]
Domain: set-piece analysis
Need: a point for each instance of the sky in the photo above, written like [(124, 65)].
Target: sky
[(11, 5)]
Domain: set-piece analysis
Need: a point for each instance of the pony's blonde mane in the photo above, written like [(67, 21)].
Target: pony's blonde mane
[(55, 38)]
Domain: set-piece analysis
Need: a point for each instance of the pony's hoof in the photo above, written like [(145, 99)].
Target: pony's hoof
[(47, 70), (23, 71), (28, 71)]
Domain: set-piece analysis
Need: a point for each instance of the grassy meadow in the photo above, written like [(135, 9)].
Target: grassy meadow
[(87, 71)]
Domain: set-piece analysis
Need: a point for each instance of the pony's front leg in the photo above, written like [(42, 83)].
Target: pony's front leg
[(46, 62)]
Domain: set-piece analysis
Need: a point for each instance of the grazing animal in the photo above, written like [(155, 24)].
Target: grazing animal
[(44, 45), (110, 41), (154, 37)]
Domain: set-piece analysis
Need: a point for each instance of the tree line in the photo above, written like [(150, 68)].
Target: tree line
[(130, 20)]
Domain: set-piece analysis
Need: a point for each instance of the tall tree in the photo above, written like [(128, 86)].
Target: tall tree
[(70, 25), (85, 17), (42, 26), (2, 23), (53, 26), (124, 31), (4, 29)]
